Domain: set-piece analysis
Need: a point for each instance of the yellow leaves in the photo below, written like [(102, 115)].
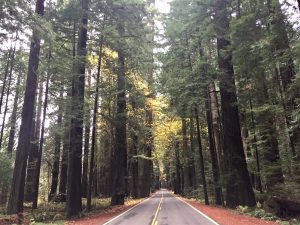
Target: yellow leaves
[(110, 53), (94, 58), (165, 128)]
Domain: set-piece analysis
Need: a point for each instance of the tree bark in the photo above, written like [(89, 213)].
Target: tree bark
[(12, 60), (87, 132), (74, 204), (66, 136), (258, 183), (64, 159), (147, 168), (186, 156), (178, 180), (119, 182), (13, 118), (286, 69), (34, 148), (134, 167), (6, 72), (94, 125), (57, 147), (213, 153), (16, 199), (238, 186), (192, 170), (201, 157), (272, 163), (41, 143), (216, 124)]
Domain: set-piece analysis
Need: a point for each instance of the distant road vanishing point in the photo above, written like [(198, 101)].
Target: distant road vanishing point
[(163, 208)]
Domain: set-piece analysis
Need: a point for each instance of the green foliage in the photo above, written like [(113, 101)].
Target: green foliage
[(5, 169), (256, 212)]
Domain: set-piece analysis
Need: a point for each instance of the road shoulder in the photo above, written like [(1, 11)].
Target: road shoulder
[(106, 215), (226, 216)]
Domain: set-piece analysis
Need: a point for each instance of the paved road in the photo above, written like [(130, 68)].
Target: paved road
[(162, 209)]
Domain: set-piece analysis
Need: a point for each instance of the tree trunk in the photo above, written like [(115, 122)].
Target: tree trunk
[(64, 159), (286, 69), (134, 167), (66, 136), (186, 156), (4, 189), (41, 144), (258, 184), (269, 140), (74, 204), (57, 147), (6, 72), (13, 118), (177, 186), (133, 163), (216, 124), (201, 157), (192, 170), (86, 141), (147, 168), (16, 199), (94, 126), (238, 185), (146, 172), (34, 148), (119, 172), (12, 60), (213, 153)]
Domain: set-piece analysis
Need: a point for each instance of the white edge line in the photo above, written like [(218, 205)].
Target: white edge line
[(123, 213), (198, 211)]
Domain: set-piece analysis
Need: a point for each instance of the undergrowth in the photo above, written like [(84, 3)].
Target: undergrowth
[(260, 213)]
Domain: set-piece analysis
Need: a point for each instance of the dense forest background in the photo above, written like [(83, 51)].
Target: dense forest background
[(112, 99)]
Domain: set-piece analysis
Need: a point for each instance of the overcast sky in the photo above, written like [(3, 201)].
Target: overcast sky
[(162, 5)]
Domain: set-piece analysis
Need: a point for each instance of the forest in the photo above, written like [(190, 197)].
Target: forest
[(103, 102)]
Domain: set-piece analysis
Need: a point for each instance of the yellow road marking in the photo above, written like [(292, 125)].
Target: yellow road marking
[(154, 221)]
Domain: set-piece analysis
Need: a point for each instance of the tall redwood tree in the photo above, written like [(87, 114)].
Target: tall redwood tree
[(16, 198)]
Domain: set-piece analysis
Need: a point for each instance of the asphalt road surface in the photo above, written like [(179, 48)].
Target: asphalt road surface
[(162, 208)]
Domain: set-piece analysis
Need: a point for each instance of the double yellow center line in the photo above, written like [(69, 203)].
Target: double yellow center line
[(154, 221)]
